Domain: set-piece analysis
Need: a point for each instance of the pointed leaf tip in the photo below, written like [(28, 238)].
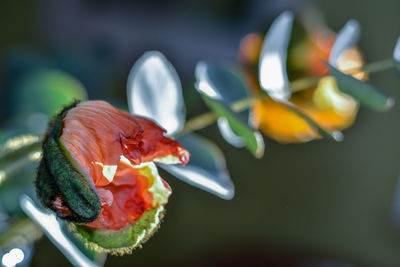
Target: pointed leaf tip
[(151, 81), (361, 91), (338, 136), (347, 37)]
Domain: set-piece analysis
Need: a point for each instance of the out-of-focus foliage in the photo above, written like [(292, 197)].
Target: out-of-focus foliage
[(320, 104)]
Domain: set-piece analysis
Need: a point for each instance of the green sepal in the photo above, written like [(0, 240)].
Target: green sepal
[(45, 185), (58, 176), (123, 241)]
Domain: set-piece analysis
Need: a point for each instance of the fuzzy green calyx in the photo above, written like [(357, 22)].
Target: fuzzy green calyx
[(123, 241), (57, 176)]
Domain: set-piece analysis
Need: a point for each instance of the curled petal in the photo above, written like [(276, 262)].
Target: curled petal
[(96, 135)]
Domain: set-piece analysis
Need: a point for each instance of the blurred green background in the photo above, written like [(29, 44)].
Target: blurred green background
[(315, 204)]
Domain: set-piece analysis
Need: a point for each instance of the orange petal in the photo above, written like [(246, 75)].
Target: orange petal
[(96, 135), (277, 122), (130, 199)]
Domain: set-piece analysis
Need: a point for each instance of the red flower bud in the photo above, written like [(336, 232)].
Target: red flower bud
[(98, 166)]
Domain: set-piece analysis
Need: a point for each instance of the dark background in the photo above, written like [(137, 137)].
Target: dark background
[(315, 204)]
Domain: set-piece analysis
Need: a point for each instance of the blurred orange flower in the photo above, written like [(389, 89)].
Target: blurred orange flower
[(323, 102)]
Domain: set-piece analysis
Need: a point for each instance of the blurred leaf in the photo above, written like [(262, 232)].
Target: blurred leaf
[(48, 91), (252, 139), (54, 231), (396, 54), (42, 94), (154, 91), (228, 134), (272, 64), (19, 146), (223, 84), (206, 168), (21, 233), (18, 152), (361, 91), (347, 37), (220, 82)]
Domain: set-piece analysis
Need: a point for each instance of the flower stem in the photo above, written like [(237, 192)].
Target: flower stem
[(377, 66), (198, 123), (209, 118)]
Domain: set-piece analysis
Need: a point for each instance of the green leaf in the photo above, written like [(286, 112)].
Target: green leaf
[(253, 139), (223, 83), (206, 168), (361, 91), (272, 76), (60, 236), (151, 81)]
